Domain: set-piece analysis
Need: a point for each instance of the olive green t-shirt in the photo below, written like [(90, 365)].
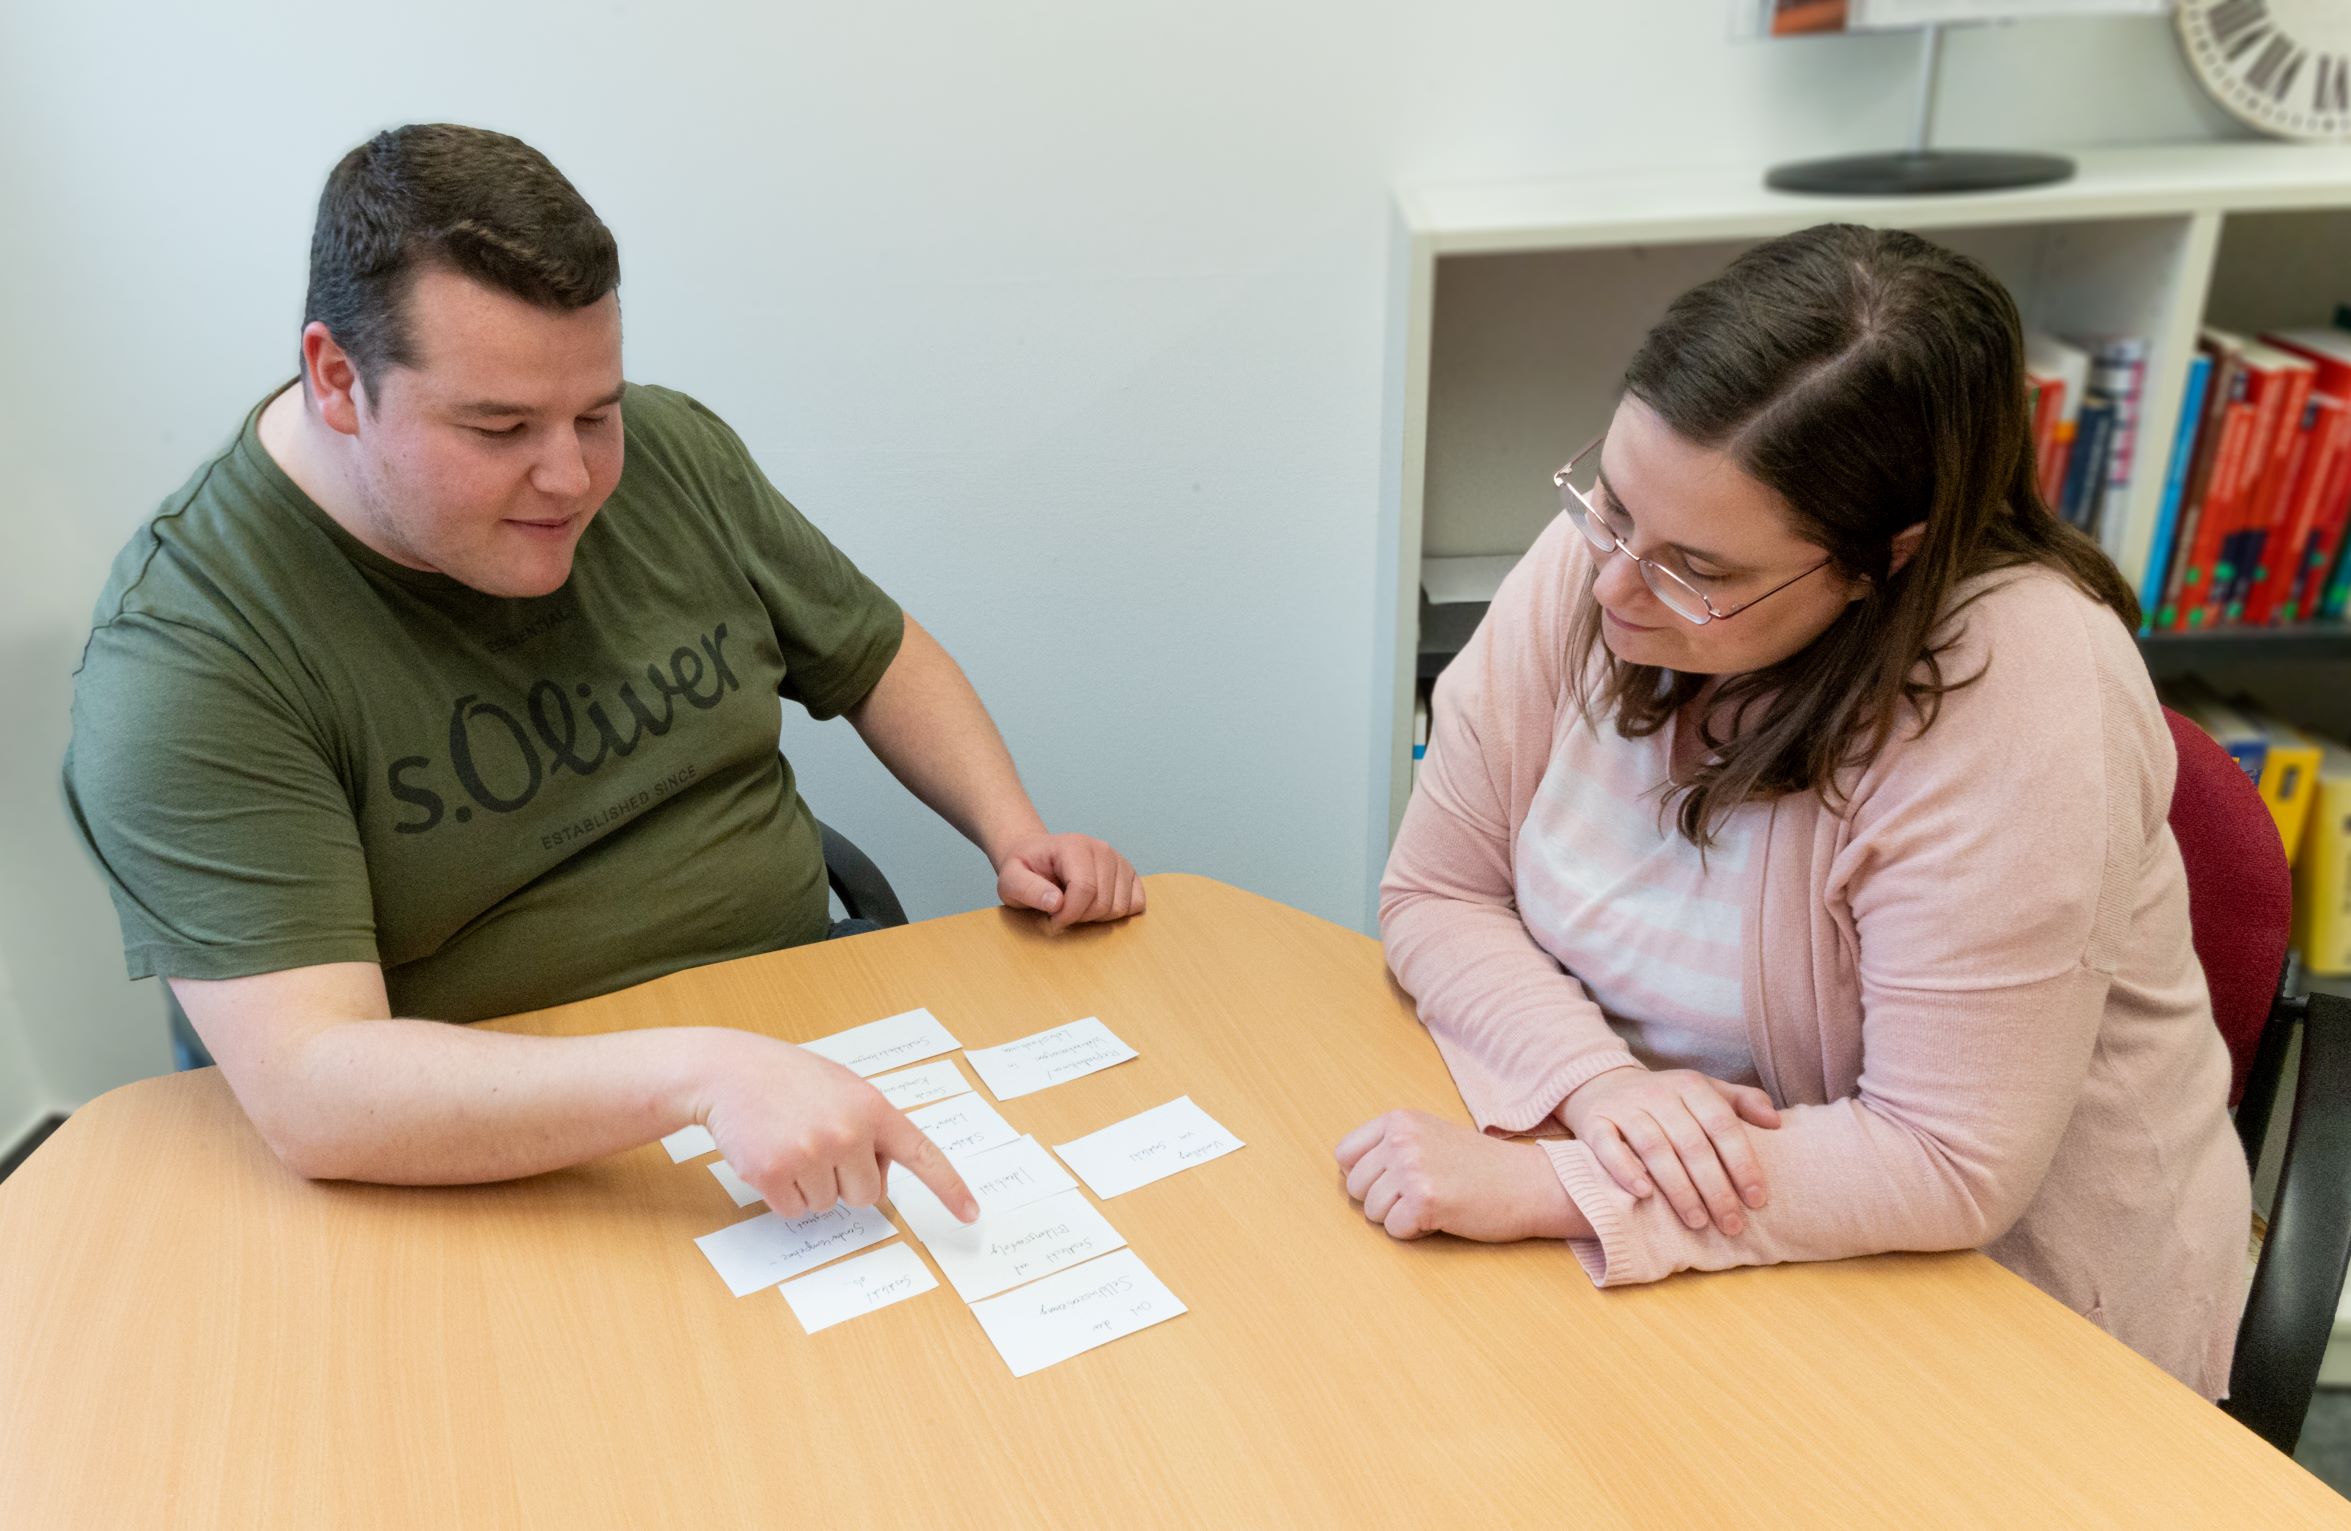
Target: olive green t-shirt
[(288, 749)]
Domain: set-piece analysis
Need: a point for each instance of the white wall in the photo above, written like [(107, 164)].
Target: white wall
[(1065, 319)]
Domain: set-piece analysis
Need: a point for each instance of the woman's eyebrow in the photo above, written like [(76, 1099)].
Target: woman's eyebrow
[(1682, 548)]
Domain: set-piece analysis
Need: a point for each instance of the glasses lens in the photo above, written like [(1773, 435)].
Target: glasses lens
[(1578, 488), (1682, 600)]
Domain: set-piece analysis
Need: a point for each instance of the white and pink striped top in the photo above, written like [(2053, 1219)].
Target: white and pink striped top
[(1609, 887)]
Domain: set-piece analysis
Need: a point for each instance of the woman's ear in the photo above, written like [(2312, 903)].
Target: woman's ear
[(1906, 543)]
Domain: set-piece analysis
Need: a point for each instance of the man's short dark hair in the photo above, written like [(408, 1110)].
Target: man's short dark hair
[(482, 204)]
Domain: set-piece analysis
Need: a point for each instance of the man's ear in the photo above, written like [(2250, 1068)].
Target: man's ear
[(1906, 543), (331, 379)]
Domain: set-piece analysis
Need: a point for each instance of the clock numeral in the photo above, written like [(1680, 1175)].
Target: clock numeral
[(2234, 16), (2331, 86), (2274, 71)]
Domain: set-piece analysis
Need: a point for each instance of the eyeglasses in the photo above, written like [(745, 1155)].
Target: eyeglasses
[(1576, 482)]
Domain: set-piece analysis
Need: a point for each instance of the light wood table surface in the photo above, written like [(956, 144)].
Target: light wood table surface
[(190, 1336)]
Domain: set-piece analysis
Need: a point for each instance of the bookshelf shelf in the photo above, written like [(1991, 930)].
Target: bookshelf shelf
[(2169, 654), (1513, 307)]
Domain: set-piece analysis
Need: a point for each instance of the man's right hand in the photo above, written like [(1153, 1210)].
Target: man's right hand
[(806, 1133), (1678, 1131)]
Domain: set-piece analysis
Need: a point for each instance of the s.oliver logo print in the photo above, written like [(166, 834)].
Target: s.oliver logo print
[(501, 756)]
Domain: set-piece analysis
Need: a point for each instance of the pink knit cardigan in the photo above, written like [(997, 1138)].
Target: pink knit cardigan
[(1969, 986)]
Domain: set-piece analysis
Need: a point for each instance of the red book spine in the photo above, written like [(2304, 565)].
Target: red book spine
[(2220, 496), (2316, 452), (2271, 491)]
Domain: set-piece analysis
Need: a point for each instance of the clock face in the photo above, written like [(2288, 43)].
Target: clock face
[(2282, 65)]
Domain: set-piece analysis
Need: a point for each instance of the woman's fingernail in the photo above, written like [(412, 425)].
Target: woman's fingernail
[(1642, 1188), (1734, 1225), (1754, 1196)]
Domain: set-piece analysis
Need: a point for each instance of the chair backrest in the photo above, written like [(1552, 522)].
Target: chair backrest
[(2240, 894)]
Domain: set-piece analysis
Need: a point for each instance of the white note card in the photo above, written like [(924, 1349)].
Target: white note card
[(1075, 1310), (1004, 1249), (890, 1274), (1000, 1179), (963, 1126), (1146, 1147), (886, 1043), (771, 1247), (921, 1085), (1048, 1058), (739, 1188), (689, 1143)]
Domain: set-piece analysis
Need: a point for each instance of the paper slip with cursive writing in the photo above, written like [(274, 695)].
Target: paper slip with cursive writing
[(1146, 1147), (1000, 1179), (853, 1287), (1004, 1249), (886, 1043), (1072, 1312), (964, 1126), (920, 1086), (1048, 1058), (771, 1247), (689, 1143)]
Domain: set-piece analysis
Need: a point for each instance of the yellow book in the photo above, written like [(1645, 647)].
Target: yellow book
[(2289, 779), (2322, 873)]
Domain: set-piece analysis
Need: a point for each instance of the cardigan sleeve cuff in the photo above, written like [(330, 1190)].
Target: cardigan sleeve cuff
[(1531, 1108), (1607, 1257)]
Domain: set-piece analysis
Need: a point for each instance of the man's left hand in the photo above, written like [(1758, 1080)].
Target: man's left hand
[(1073, 878)]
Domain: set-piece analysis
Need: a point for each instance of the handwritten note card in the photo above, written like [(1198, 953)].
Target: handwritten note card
[(1000, 1179), (920, 1086), (1002, 1251), (887, 1043), (1075, 1310), (1147, 1147), (689, 1143), (771, 1247), (964, 1126), (1048, 1058), (853, 1287)]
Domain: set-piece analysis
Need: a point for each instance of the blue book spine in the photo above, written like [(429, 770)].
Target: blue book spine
[(2085, 470), (2175, 484)]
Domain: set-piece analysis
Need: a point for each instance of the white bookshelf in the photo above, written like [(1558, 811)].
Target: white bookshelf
[(1514, 307)]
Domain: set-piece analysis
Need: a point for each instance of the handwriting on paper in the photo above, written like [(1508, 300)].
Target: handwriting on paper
[(1073, 1311), (887, 1043), (1004, 1249), (1048, 1058), (1148, 1146), (771, 1247), (1000, 1179), (963, 1126), (890, 1274), (919, 1086)]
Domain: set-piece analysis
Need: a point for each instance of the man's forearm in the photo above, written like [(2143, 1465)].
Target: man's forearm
[(427, 1103), (924, 721)]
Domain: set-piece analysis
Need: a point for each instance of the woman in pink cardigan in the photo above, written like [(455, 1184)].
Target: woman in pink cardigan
[(1792, 833)]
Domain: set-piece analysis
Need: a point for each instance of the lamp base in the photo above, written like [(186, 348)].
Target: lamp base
[(1919, 172)]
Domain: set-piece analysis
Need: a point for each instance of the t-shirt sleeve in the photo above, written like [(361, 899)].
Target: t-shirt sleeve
[(838, 630), (218, 822)]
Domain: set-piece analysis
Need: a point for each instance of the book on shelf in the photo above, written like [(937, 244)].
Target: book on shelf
[(2062, 370), (2175, 483), (2289, 776), (2118, 368), (2226, 415), (2084, 490), (2282, 385), (2322, 869), (2230, 727), (2312, 546)]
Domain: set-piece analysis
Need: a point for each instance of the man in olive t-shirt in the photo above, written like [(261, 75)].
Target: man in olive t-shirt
[(448, 689)]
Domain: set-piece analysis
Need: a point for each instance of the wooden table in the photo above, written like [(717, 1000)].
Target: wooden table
[(191, 1336)]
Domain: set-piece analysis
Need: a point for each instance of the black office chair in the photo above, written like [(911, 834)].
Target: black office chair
[(2239, 906), (865, 894)]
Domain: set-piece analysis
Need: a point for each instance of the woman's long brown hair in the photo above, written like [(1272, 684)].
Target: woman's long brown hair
[(1874, 381)]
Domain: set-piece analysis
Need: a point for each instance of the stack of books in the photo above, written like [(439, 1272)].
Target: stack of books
[(2257, 490)]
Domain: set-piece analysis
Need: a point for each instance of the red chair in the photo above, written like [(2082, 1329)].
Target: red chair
[(2240, 906)]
